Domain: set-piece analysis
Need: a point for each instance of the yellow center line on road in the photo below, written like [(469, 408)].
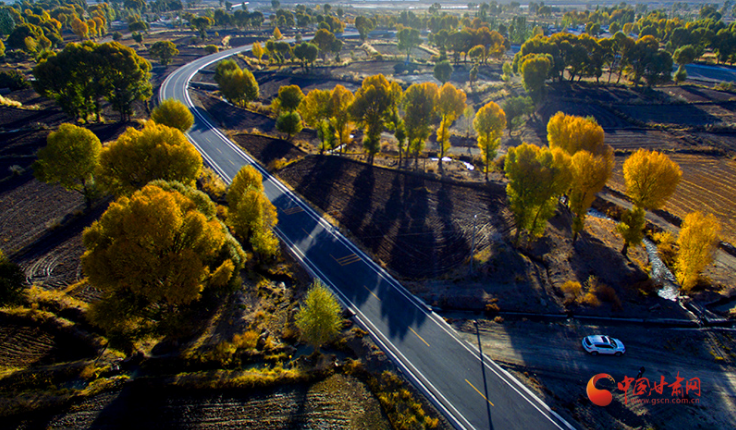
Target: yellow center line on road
[(231, 162), (374, 294), (219, 150), (308, 234), (481, 394), (417, 334)]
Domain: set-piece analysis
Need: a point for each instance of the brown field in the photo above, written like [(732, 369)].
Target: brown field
[(708, 184), (683, 114)]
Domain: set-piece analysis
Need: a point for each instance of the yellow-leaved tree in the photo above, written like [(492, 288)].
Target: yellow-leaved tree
[(450, 105), (70, 159), (258, 50), (697, 242), (251, 215), (591, 163), (341, 99), (319, 319), (537, 177), (154, 251), (173, 113), (651, 178), (489, 123), (419, 103), (141, 156), (315, 112)]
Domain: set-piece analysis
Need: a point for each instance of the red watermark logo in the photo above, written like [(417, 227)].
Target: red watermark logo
[(599, 397), (679, 393)]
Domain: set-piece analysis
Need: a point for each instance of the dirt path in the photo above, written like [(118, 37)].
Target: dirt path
[(551, 354)]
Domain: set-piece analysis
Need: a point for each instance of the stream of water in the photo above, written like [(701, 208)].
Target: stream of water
[(660, 273)]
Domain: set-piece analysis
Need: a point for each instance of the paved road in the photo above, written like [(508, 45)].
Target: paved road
[(471, 390)]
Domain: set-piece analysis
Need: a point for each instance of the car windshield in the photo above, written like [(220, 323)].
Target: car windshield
[(613, 342)]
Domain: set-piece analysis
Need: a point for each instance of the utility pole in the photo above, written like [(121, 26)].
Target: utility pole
[(472, 246)]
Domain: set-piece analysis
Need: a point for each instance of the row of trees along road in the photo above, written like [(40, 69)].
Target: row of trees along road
[(161, 244)]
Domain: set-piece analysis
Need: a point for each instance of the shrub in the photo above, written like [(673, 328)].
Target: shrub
[(212, 184), (247, 340), (9, 102), (608, 294), (211, 49), (572, 290), (117, 36), (12, 279), (13, 80), (666, 248), (276, 164)]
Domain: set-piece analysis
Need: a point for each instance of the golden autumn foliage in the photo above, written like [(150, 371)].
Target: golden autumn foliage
[(161, 246), (450, 105), (341, 99), (319, 319), (141, 156), (251, 215), (173, 113), (537, 176), (697, 242), (574, 133), (591, 160), (70, 159), (489, 123), (419, 103), (651, 178)]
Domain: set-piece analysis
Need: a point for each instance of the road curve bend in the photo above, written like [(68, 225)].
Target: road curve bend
[(471, 390)]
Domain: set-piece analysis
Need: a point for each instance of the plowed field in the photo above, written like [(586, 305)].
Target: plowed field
[(338, 402), (418, 227), (708, 184)]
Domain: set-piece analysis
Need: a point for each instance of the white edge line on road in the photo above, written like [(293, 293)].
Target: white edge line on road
[(530, 397)]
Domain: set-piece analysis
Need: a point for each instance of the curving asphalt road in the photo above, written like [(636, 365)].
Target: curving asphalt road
[(472, 391)]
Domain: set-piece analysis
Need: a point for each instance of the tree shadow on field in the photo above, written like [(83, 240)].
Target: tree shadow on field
[(360, 204), (380, 231), (454, 246), (413, 251), (317, 185)]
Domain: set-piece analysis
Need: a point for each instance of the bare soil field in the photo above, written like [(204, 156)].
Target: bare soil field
[(701, 114), (338, 402)]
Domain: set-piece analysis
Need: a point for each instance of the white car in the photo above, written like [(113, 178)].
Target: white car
[(597, 344)]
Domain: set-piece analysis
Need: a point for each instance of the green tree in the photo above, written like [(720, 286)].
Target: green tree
[(251, 215), (125, 77), (319, 319), (324, 40), (534, 72), (12, 280), (537, 177), (419, 103), (288, 100), (443, 71), (697, 242), (631, 227), (314, 109), (236, 85), (516, 108), (684, 56), (289, 123), (173, 113), (156, 251), (364, 25), (450, 105), (374, 103), (306, 53), (408, 40), (489, 124), (164, 51), (70, 158), (139, 157)]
